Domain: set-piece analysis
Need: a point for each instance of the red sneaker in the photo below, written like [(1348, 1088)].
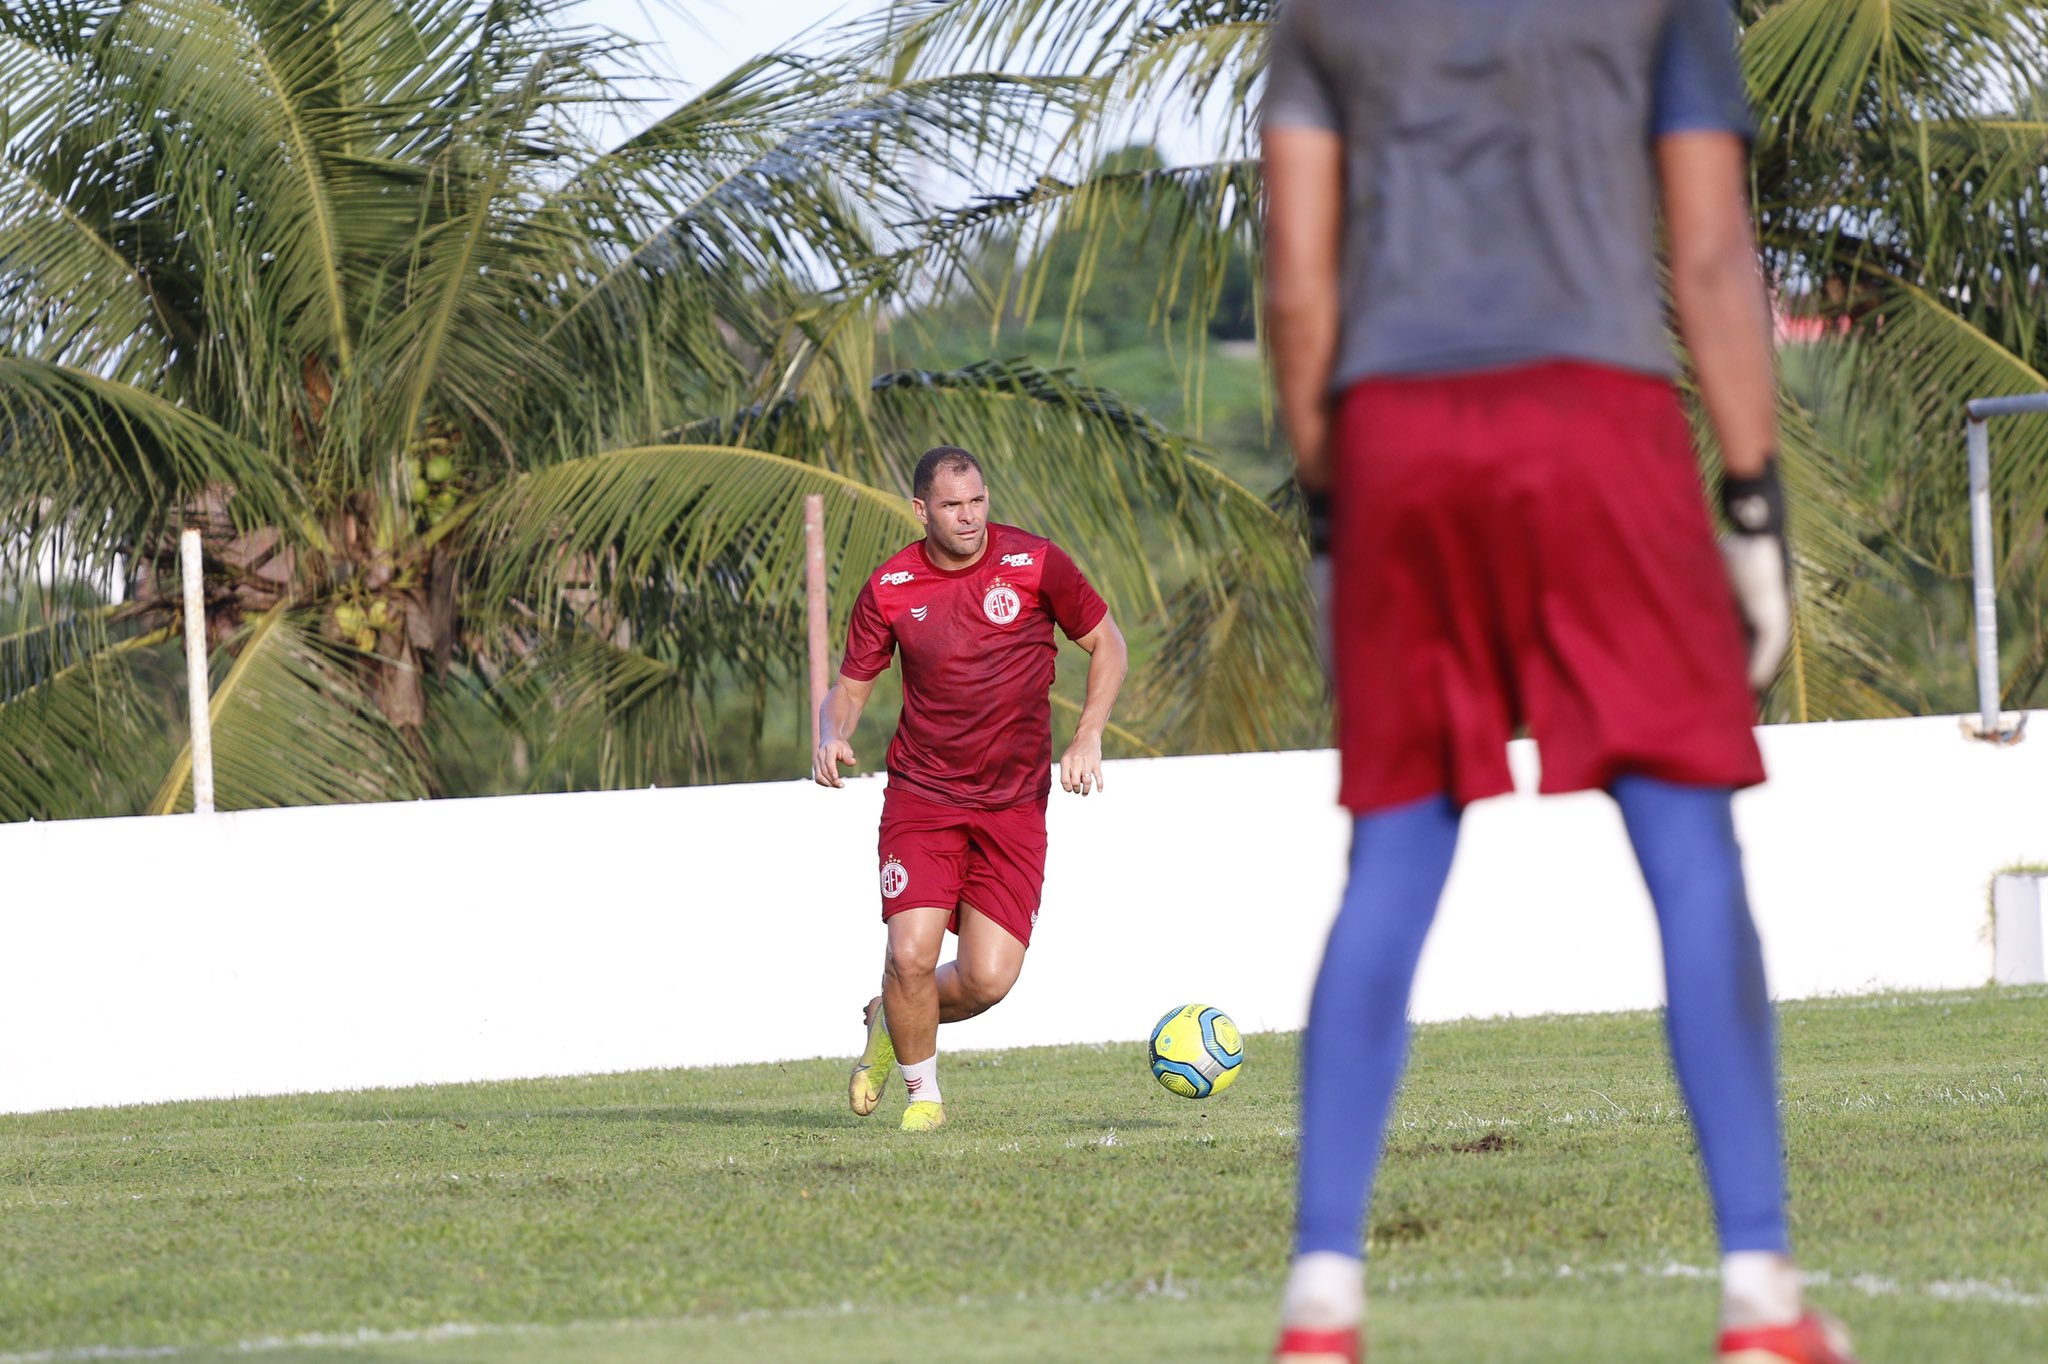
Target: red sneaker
[(1813, 1339), (1319, 1347)]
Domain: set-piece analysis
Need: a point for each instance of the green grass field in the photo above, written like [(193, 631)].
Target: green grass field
[(1539, 1204)]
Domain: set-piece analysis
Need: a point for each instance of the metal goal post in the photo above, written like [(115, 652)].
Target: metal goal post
[(1983, 567)]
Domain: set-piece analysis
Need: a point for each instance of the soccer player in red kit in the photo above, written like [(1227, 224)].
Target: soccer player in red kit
[(971, 607)]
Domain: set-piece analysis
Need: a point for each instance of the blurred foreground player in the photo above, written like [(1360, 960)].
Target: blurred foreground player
[(971, 607), (1469, 346)]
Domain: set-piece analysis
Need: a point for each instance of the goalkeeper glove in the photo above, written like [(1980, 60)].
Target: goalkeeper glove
[(1759, 567)]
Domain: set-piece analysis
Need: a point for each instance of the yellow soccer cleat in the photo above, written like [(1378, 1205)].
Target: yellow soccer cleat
[(877, 1063), (924, 1116)]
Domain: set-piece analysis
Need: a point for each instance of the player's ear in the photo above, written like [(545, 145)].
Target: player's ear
[(924, 516)]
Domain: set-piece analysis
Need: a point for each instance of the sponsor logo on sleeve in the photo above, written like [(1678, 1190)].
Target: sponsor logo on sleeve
[(896, 579), (1001, 604), (919, 612), (1017, 561)]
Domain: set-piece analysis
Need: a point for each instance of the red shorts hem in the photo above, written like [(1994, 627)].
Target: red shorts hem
[(952, 857), (1673, 773), (1007, 921), (1374, 801)]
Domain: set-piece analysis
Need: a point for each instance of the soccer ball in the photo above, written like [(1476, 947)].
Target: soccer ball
[(1196, 1051)]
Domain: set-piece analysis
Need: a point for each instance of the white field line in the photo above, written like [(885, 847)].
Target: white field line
[(1869, 1285)]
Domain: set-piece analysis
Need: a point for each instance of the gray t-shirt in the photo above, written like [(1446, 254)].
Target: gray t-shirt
[(1501, 195)]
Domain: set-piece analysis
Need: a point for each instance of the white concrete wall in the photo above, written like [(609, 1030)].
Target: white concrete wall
[(278, 950)]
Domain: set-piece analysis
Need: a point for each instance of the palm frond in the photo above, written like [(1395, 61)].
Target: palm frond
[(38, 645), (689, 516), (645, 719), (1835, 664), (993, 35), (1237, 666), (84, 731), (1817, 68), (1929, 353), (63, 277), (293, 725), (112, 465), (235, 82), (1193, 217)]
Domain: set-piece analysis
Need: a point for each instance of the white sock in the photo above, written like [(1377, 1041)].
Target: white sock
[(921, 1078), (1325, 1292), (1759, 1288)]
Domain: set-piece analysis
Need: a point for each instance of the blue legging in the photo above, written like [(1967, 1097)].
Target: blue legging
[(1718, 1018)]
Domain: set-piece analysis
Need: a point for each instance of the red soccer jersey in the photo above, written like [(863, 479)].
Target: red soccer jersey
[(978, 659)]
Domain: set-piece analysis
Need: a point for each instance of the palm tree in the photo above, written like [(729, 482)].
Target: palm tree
[(488, 427), (1899, 187)]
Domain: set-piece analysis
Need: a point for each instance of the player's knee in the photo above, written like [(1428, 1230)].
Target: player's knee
[(985, 983), (907, 961)]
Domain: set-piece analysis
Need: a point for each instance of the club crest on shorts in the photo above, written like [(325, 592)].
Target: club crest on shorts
[(895, 880), (1001, 604)]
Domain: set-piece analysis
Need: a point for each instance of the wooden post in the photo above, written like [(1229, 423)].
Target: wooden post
[(814, 598), (195, 674)]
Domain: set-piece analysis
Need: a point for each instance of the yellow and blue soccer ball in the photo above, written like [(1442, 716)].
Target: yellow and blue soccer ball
[(1196, 1051)]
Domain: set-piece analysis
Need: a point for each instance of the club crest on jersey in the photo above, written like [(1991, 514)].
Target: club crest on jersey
[(896, 579), (1017, 560), (1001, 604), (919, 612), (895, 880)]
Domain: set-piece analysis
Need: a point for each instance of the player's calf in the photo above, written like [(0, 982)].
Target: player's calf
[(986, 966), (967, 989)]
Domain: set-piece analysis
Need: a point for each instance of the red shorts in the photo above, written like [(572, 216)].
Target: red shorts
[(950, 856), (1529, 546)]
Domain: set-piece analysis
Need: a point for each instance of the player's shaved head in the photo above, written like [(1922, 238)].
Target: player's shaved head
[(948, 459)]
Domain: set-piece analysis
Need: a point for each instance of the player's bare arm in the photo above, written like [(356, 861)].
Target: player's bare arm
[(1304, 177), (837, 715), (1717, 289), (1723, 315), (1108, 659)]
